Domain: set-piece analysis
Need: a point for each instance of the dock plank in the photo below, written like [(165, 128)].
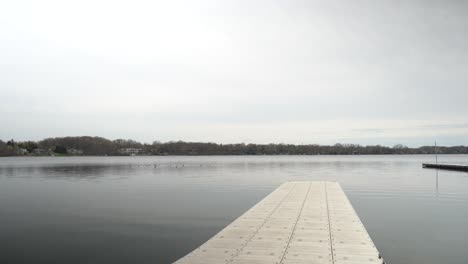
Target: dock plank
[(298, 223)]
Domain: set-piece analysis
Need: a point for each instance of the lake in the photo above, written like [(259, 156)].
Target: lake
[(157, 209)]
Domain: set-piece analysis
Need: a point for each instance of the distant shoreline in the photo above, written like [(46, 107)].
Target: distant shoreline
[(98, 146), (222, 155)]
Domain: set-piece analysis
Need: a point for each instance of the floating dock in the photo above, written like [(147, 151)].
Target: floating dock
[(442, 166), (298, 223)]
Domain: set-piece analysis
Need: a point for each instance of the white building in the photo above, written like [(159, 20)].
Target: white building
[(73, 151), (130, 151)]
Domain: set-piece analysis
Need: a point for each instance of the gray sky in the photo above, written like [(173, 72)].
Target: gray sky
[(367, 72)]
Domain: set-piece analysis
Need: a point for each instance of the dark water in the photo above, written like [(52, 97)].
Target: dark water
[(157, 209)]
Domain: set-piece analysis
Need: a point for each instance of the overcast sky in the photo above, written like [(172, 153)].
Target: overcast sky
[(366, 72)]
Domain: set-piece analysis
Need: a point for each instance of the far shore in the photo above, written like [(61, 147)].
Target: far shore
[(98, 146)]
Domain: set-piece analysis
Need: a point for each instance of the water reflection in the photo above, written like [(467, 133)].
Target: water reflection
[(156, 209), (83, 172)]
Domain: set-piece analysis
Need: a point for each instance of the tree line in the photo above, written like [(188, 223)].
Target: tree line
[(98, 146)]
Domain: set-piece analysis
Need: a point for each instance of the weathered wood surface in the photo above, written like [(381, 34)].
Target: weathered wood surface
[(457, 167), (298, 223)]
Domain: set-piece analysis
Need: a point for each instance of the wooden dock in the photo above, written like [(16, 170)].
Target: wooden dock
[(442, 166), (298, 223)]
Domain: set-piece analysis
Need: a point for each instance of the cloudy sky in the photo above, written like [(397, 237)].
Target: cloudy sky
[(367, 72)]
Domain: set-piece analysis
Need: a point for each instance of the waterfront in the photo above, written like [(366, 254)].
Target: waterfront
[(156, 209)]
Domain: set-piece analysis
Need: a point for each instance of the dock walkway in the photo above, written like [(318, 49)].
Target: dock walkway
[(298, 223), (443, 166)]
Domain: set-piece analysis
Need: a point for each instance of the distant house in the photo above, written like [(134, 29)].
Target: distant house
[(41, 152), (22, 151), (73, 151), (130, 151)]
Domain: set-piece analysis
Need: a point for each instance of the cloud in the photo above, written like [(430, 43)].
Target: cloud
[(221, 71)]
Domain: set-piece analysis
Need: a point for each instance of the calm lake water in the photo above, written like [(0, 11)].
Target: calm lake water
[(157, 209)]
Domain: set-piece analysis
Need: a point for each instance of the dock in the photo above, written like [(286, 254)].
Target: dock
[(442, 166), (298, 223)]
